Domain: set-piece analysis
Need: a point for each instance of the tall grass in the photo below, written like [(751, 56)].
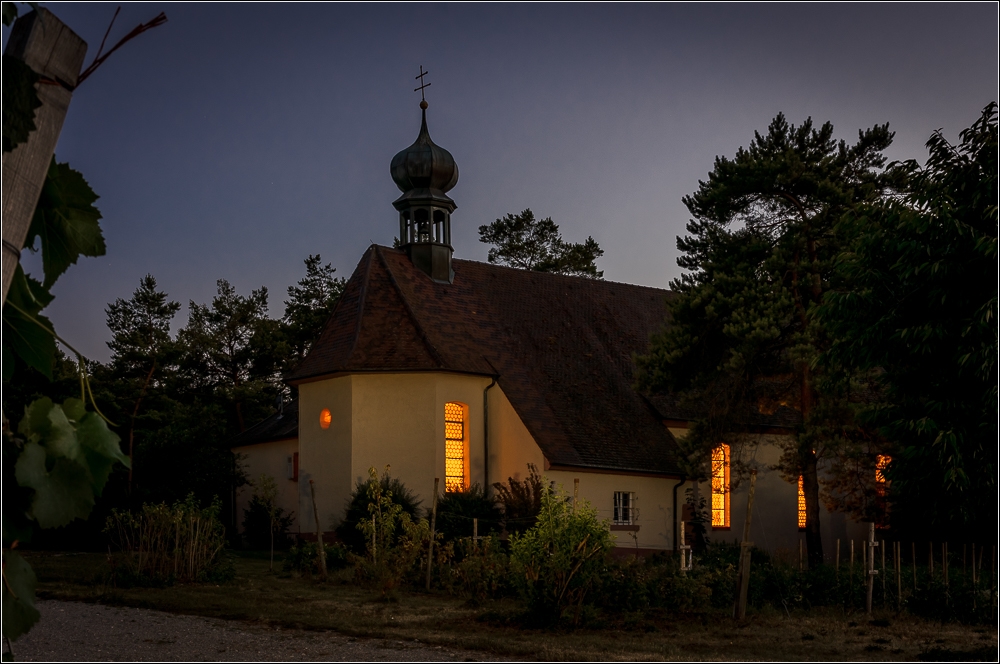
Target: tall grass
[(161, 544)]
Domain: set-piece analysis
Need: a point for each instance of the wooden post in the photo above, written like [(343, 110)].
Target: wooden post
[(430, 545), (475, 529), (319, 533), (687, 558), (965, 553), (899, 576), (930, 561), (993, 581), (913, 554), (800, 555), (743, 575), (850, 572), (882, 549), (870, 566), (975, 589), (944, 564), (836, 558), (576, 493), (374, 543), (56, 53)]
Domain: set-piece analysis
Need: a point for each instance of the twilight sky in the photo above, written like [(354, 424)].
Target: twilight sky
[(237, 139)]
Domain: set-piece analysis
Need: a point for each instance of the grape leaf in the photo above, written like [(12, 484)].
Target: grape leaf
[(23, 336), (61, 495), (20, 99), (101, 447), (19, 612), (65, 221)]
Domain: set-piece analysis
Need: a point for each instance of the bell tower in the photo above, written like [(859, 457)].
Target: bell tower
[(425, 172)]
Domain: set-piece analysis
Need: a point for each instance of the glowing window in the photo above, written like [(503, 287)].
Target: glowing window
[(720, 486), (454, 446), (802, 504), (325, 418), (881, 463)]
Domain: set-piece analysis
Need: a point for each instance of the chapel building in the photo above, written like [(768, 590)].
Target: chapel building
[(468, 372)]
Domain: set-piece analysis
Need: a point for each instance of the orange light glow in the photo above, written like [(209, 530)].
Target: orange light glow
[(802, 504), (720, 486), (454, 446), (325, 418), (881, 463)]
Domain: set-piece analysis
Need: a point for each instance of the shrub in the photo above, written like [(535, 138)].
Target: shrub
[(304, 558), (556, 563), (257, 525), (482, 569), (520, 501), (161, 544), (358, 509), (393, 542), (457, 509)]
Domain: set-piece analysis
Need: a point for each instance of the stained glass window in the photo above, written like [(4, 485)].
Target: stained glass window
[(802, 504), (720, 486), (454, 446)]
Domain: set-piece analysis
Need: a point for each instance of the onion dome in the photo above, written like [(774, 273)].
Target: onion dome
[(424, 170)]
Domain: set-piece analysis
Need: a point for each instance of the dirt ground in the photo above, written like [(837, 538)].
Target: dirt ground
[(79, 631)]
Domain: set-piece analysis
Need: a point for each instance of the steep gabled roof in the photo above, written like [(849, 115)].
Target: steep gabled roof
[(560, 347)]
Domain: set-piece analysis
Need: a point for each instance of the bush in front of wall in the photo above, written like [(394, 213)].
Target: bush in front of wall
[(457, 509), (359, 502), (257, 525), (304, 558), (557, 562)]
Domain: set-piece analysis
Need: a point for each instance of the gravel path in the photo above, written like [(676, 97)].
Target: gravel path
[(77, 631)]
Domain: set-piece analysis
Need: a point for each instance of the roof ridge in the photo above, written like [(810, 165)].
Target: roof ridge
[(409, 310), (361, 302)]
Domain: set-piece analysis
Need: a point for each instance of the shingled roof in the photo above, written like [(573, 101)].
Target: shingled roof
[(560, 348), (280, 426)]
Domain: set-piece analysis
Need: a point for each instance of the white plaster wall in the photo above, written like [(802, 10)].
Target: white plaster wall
[(512, 448), (324, 454), (271, 459)]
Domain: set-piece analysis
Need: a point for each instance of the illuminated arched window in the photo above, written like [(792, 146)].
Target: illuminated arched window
[(455, 439), (802, 504), (720, 486)]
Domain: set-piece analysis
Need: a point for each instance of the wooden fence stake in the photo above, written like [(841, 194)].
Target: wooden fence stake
[(319, 533), (850, 570), (430, 545), (883, 571), (930, 560), (836, 558), (475, 529), (965, 553), (975, 590), (576, 493), (870, 566), (800, 555), (913, 553), (899, 576), (944, 564), (743, 576)]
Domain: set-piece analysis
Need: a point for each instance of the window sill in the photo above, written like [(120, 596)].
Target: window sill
[(621, 527), (722, 528)]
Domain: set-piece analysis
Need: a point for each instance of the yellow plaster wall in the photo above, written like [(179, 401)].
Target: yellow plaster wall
[(325, 454), (653, 501), (272, 459), (380, 419), (511, 446)]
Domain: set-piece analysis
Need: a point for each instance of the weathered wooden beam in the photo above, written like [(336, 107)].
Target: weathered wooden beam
[(56, 53)]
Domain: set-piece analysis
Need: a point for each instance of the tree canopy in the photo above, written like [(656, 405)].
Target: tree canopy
[(917, 313), (742, 342), (535, 244)]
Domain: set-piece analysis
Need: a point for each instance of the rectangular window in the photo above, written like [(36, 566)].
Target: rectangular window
[(624, 510), (720, 486), (802, 505), (454, 446)]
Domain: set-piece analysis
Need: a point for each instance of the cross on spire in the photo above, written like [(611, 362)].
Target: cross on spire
[(422, 84)]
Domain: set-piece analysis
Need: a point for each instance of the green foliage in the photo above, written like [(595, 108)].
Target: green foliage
[(66, 458), (393, 541), (265, 525), (20, 98), (358, 509), (742, 341), (482, 568), (161, 544), (19, 612), (917, 314), (520, 500), (522, 241), (457, 509), (304, 558), (558, 561), (27, 334), (310, 303), (65, 221)]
